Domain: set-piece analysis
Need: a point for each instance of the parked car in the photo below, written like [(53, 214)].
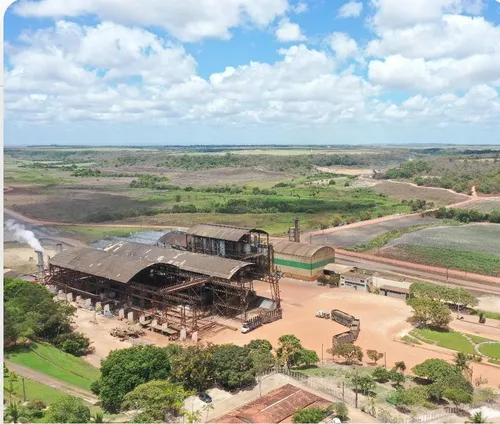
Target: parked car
[(205, 397)]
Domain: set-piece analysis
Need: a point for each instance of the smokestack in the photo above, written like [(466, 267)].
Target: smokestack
[(41, 267), (59, 247), (297, 230)]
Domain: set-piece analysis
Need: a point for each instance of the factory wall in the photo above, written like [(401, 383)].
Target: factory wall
[(304, 267)]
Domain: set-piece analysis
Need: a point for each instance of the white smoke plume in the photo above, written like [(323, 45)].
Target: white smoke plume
[(22, 235)]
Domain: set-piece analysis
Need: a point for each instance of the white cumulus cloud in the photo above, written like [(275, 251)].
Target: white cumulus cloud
[(187, 20), (288, 31), (350, 10)]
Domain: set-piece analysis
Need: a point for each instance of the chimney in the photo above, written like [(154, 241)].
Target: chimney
[(41, 267), (297, 230), (59, 247)]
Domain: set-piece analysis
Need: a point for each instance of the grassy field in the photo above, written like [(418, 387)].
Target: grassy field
[(447, 339), (401, 191), (491, 350), (53, 362), (481, 263), (99, 233)]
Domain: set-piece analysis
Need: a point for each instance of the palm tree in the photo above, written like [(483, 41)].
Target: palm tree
[(14, 413), (462, 360), (400, 365), (207, 407), (478, 417)]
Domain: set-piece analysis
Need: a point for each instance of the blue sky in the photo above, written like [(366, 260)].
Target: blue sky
[(252, 72)]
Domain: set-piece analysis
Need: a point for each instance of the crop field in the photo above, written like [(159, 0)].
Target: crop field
[(354, 236), (401, 191), (485, 206), (479, 238)]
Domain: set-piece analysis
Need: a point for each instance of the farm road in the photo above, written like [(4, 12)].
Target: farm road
[(51, 382)]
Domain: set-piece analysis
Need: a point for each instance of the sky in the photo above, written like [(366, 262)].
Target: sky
[(252, 72)]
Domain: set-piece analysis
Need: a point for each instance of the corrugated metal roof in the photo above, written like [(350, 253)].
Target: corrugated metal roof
[(176, 238), (100, 263), (122, 261), (214, 266), (299, 249), (221, 232), (395, 289)]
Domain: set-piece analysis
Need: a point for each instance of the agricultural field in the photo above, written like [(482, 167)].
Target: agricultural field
[(165, 188), (365, 234), (472, 247), (485, 206), (440, 197), (51, 361)]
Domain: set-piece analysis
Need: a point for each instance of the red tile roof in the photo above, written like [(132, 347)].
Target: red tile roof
[(275, 407)]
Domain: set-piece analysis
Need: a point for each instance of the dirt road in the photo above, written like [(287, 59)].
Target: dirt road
[(51, 382)]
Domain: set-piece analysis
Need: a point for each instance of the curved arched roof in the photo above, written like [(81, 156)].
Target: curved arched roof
[(299, 249), (122, 261), (221, 232)]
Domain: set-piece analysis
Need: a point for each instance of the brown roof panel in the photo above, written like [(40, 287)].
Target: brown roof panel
[(221, 232), (173, 238), (286, 247), (99, 263), (215, 266)]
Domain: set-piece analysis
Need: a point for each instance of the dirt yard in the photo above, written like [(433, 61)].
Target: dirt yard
[(382, 320)]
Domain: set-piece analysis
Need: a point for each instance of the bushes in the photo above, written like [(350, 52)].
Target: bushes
[(76, 344), (466, 216)]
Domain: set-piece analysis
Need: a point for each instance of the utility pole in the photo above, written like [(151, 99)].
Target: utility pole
[(356, 386), (24, 390)]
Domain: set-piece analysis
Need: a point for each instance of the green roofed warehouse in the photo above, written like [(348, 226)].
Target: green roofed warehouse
[(303, 261)]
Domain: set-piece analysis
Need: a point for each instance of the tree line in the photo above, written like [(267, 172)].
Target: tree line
[(31, 314), (468, 215)]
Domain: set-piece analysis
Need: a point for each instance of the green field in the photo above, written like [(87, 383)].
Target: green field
[(99, 233), (53, 362), (492, 350), (34, 391), (447, 339), (481, 263)]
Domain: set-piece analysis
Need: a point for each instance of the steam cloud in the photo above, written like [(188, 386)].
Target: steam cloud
[(21, 234)]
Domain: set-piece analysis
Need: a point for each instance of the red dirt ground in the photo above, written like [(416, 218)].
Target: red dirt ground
[(382, 319)]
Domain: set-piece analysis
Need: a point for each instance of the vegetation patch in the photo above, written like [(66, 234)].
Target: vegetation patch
[(447, 339), (53, 362), (491, 349), (481, 263)]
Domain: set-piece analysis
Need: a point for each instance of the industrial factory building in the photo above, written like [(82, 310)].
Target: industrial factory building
[(303, 261), (176, 289)]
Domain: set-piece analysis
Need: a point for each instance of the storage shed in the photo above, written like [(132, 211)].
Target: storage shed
[(303, 261)]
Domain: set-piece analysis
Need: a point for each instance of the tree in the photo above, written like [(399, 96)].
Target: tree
[(177, 198), (457, 396), (307, 357), (10, 387), (289, 349), (429, 312), (365, 384), (15, 412), (409, 397), (434, 369), (259, 344), (348, 351), (233, 366), (397, 378), (125, 369), (341, 411), (193, 367), (461, 360), (381, 375), (374, 355), (478, 417), (157, 400), (400, 366), (74, 343), (314, 414), (68, 409), (323, 279)]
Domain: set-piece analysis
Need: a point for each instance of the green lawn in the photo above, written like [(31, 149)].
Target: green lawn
[(492, 350), (99, 233), (478, 339), (34, 391), (69, 368), (449, 340)]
